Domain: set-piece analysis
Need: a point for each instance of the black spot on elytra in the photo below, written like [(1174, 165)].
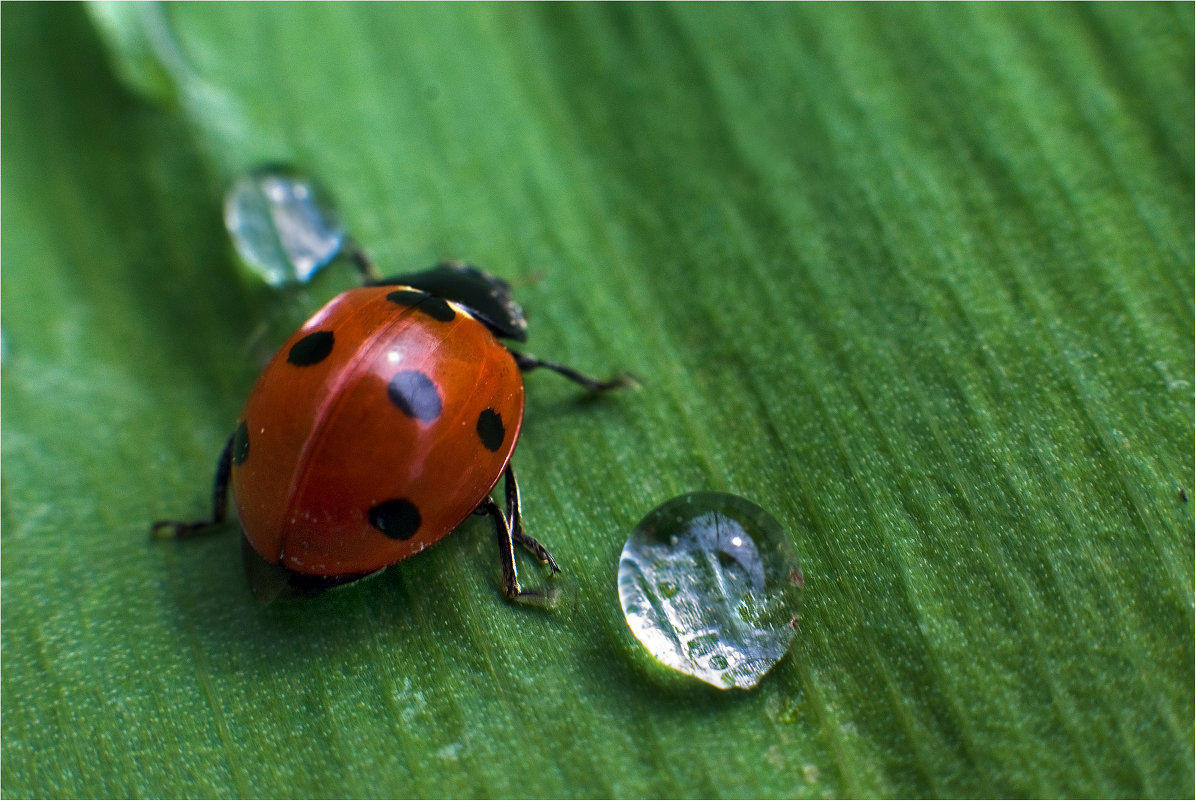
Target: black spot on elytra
[(406, 297), (415, 395), (491, 430), (241, 444), (397, 518), (434, 307), (312, 349), (437, 309)]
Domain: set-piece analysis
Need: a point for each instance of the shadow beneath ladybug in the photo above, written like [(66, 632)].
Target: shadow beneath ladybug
[(207, 575), (378, 618)]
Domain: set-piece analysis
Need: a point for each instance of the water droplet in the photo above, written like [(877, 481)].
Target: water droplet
[(711, 587), (283, 224)]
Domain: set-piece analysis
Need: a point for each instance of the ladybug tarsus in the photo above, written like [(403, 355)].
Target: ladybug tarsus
[(528, 362), (180, 529), (537, 550)]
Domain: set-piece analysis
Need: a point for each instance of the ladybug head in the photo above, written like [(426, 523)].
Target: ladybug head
[(486, 296)]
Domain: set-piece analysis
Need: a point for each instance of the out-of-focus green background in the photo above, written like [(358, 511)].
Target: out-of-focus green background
[(916, 279)]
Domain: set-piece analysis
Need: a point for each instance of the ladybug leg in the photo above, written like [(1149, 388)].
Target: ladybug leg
[(183, 528), (515, 520), (508, 526), (528, 362), (506, 547), (365, 266)]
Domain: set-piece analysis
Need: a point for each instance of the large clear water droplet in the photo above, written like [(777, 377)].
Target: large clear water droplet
[(283, 224), (711, 587)]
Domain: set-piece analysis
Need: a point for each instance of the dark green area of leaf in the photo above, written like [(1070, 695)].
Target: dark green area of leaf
[(916, 279)]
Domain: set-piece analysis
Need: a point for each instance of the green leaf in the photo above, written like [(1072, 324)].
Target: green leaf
[(916, 279), (140, 45)]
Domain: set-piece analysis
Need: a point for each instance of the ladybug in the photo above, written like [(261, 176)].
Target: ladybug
[(378, 428)]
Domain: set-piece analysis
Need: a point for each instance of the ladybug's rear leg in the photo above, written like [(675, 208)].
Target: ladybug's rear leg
[(528, 362), (183, 528), (508, 526), (515, 521), (506, 547)]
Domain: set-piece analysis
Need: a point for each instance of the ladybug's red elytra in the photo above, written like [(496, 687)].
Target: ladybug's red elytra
[(377, 429)]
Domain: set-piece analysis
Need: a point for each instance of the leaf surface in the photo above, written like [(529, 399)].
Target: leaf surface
[(916, 279)]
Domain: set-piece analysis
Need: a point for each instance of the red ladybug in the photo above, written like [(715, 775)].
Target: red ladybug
[(377, 428)]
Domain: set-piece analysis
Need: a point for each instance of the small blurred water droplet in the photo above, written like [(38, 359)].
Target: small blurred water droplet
[(283, 224), (711, 587)]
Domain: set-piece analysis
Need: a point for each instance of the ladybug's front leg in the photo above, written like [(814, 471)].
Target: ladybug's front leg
[(182, 528), (528, 362), (362, 261)]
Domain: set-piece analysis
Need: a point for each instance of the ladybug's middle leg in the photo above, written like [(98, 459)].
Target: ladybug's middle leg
[(183, 528), (528, 362)]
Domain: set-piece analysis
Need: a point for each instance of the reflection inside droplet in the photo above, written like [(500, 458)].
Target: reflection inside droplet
[(711, 587), (282, 224)]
